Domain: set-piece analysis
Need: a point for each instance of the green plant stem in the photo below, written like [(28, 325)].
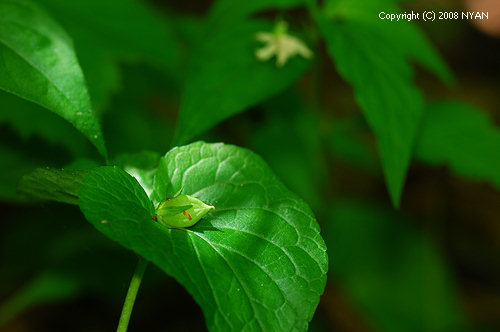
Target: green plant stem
[(133, 288)]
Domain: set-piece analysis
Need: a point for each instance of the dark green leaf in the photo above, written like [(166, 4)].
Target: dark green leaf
[(290, 142), (127, 29), (53, 184), (256, 263), (38, 63), (30, 120), (372, 54), (405, 36), (237, 9), (14, 164), (463, 137), (392, 272), (382, 78), (347, 142), (226, 78)]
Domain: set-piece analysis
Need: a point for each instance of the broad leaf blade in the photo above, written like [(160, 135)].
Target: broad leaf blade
[(463, 137), (226, 78), (256, 263), (38, 63), (390, 101), (142, 166), (53, 184)]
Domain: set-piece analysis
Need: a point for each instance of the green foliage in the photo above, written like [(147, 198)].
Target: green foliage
[(290, 140), (256, 262), (53, 184), (226, 77), (30, 120), (347, 142), (251, 256), (373, 57), (124, 29), (463, 137), (237, 9), (38, 63), (392, 272)]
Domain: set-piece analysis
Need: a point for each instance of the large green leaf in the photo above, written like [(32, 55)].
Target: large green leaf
[(256, 263), (391, 271), (226, 78), (463, 137), (38, 63), (372, 55)]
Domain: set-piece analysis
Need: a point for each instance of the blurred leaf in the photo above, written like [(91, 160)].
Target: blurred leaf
[(139, 118), (38, 63), (392, 272), (382, 78), (290, 142), (56, 241), (46, 288), (225, 261), (31, 120), (346, 143), (226, 78), (463, 137), (238, 9), (14, 164), (128, 29), (404, 35), (102, 72), (372, 54), (53, 184)]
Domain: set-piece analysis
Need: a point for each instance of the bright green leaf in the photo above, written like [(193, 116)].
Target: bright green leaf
[(38, 63), (392, 273), (226, 78), (53, 184), (257, 262), (142, 166), (463, 137)]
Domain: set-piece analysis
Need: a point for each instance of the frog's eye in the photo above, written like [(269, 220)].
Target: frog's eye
[(181, 211)]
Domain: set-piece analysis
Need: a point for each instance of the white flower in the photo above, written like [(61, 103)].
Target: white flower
[(281, 44)]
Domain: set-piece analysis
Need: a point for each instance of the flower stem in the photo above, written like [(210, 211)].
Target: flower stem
[(131, 294)]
